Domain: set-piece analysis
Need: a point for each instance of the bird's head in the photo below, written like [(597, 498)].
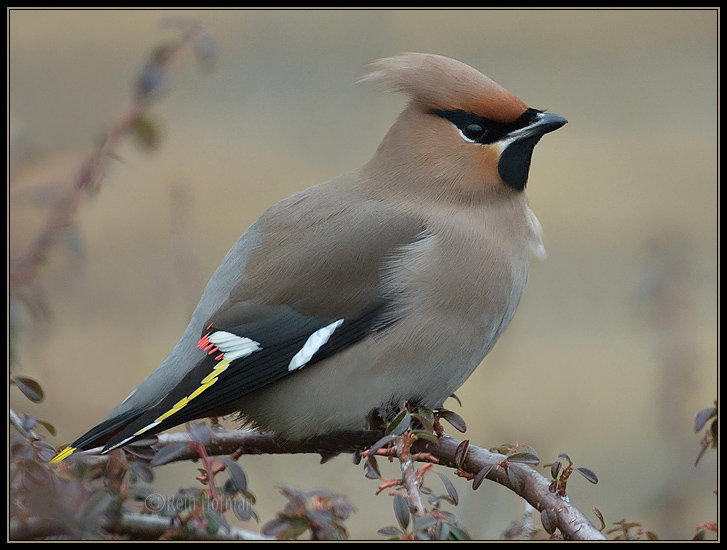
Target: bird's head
[(461, 130)]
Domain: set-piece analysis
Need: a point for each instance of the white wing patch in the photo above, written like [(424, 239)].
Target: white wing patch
[(312, 345), (233, 346)]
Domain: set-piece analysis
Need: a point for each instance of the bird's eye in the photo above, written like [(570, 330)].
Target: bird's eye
[(474, 131)]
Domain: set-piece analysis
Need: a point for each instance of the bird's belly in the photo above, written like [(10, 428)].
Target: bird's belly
[(406, 363)]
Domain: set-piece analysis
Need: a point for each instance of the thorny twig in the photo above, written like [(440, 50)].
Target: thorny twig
[(570, 521), (24, 270)]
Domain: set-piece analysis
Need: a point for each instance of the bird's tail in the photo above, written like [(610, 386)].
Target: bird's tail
[(98, 435)]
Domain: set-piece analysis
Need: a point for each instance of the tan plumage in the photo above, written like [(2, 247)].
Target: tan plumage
[(386, 284), (439, 82)]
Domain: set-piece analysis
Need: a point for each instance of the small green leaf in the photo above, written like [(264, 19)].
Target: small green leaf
[(401, 511), (458, 533), (390, 531), (142, 470), (237, 476), (517, 479), (423, 522), (703, 416), (555, 469), (426, 425), (549, 520), (426, 413), (523, 458), (451, 491), (454, 396), (168, 453), (214, 520), (421, 434), (146, 133), (400, 424), (442, 531), (140, 451)]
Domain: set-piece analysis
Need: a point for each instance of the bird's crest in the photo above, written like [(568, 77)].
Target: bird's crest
[(443, 83)]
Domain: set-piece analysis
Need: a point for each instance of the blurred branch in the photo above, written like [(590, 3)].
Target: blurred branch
[(533, 487), (17, 423), (137, 526), (90, 177)]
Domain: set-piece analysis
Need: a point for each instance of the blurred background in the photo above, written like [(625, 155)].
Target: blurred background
[(614, 347)]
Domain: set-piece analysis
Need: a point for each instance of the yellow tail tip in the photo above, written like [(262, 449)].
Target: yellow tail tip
[(62, 455)]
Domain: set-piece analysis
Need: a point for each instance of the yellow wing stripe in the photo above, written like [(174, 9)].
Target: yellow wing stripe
[(62, 455), (219, 369), (199, 390), (207, 381)]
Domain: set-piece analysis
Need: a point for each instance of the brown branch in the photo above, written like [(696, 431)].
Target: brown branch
[(24, 270), (571, 522), (409, 475), (534, 488)]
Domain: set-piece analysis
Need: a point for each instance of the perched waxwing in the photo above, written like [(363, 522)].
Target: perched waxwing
[(386, 284)]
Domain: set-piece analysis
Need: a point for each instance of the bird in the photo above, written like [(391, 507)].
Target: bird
[(386, 285)]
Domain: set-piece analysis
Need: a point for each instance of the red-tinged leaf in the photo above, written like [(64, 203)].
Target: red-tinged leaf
[(480, 477), (30, 388), (460, 454), (454, 419), (372, 468), (599, 515), (588, 474)]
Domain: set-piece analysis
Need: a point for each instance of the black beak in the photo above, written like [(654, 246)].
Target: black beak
[(543, 123), (518, 145)]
